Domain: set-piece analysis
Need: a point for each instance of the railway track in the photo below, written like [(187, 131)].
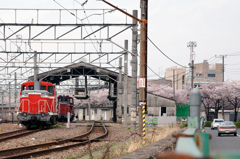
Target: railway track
[(16, 134), (31, 151)]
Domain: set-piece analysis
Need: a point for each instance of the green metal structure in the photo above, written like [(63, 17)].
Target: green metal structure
[(196, 145)]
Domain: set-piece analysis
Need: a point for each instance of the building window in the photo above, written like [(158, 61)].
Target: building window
[(200, 75), (163, 110), (95, 111), (211, 75), (127, 110), (122, 110)]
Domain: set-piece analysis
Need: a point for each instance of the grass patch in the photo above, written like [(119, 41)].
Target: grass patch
[(92, 151), (208, 123), (154, 134), (55, 126)]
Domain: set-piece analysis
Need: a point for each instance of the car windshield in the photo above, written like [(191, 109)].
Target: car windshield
[(227, 123), (218, 120)]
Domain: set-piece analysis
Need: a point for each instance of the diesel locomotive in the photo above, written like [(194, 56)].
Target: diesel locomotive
[(65, 105), (37, 104)]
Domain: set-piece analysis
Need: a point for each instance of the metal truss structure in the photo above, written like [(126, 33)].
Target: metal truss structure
[(59, 37)]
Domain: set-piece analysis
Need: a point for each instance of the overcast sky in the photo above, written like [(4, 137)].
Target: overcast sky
[(213, 24)]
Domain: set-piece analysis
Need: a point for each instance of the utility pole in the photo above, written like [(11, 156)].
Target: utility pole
[(173, 84), (2, 93), (143, 62), (134, 73), (125, 82), (191, 45), (222, 56), (223, 81), (9, 99), (120, 92), (15, 94), (177, 81), (89, 105)]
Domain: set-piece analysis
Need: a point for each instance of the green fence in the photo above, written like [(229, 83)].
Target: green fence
[(182, 110)]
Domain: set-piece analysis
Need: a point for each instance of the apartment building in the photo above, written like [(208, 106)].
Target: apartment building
[(203, 73)]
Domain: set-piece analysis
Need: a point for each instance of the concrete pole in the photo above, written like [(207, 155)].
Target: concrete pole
[(89, 105), (35, 66), (177, 81), (125, 82), (120, 92), (223, 68), (15, 77), (9, 99), (173, 84), (192, 74), (223, 81), (134, 73), (143, 62), (2, 102)]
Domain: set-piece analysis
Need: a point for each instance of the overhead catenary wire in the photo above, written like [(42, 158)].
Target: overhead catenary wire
[(165, 54), (78, 19)]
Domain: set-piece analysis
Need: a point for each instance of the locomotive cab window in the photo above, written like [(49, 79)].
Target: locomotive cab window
[(24, 88), (71, 101), (43, 88), (50, 90), (31, 87)]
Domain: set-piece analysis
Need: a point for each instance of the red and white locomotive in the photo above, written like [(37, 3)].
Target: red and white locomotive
[(37, 104), (65, 105)]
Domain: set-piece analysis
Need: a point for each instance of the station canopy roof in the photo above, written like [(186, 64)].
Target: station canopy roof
[(75, 70)]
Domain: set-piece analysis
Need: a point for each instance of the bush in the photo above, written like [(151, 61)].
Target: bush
[(237, 124), (185, 125), (208, 123)]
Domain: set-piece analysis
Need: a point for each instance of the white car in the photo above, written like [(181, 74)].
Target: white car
[(216, 123)]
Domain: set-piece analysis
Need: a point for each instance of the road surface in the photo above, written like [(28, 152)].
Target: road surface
[(223, 142)]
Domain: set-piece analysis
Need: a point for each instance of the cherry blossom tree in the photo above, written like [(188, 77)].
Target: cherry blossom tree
[(231, 90)]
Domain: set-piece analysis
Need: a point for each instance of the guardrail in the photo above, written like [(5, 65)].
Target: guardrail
[(194, 143)]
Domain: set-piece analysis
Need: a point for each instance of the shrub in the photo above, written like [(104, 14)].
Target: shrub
[(208, 123), (237, 124), (185, 125)]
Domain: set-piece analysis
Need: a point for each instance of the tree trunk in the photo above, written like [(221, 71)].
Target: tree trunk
[(216, 112), (208, 113), (235, 113)]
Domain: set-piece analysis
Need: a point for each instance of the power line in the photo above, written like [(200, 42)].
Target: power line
[(78, 19), (165, 54)]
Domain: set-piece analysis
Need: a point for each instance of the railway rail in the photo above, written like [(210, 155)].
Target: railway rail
[(23, 152), (16, 134)]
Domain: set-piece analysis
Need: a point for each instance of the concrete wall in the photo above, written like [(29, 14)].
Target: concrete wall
[(100, 115), (167, 120)]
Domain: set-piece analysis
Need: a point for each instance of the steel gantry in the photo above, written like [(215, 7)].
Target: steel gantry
[(66, 39)]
